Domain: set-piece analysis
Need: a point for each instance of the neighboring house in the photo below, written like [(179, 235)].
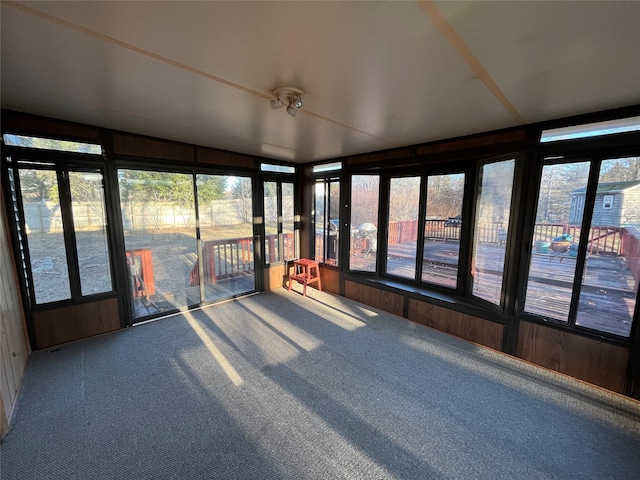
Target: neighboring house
[(617, 204)]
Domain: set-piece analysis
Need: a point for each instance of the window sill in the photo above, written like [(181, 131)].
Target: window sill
[(451, 301)]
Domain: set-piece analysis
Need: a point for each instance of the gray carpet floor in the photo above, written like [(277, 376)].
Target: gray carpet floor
[(278, 386)]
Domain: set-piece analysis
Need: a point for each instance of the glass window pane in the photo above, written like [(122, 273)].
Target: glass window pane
[(404, 201), (43, 220), (609, 127), (327, 167), (327, 226), (90, 224), (288, 222), (271, 253), (491, 225), (333, 223), (226, 234), (269, 167), (51, 144), (320, 220), (158, 213), (364, 222), (445, 194), (556, 235), (610, 281)]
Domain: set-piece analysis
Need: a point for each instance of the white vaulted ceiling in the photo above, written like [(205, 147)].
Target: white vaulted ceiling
[(377, 75)]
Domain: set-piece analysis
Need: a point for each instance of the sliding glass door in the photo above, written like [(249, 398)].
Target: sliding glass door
[(225, 209), (159, 221), (188, 238)]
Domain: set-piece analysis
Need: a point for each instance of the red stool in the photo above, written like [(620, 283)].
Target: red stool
[(304, 273)]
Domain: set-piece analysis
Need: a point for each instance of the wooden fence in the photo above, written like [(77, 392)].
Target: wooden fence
[(401, 232), (630, 250)]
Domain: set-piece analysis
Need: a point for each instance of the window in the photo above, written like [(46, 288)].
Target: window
[(402, 236), (609, 286), (272, 249), (45, 235), (556, 235), (491, 229), (327, 167), (51, 144), (281, 234), (270, 167), (90, 227), (606, 260), (621, 125), (443, 224), (63, 211), (327, 220), (364, 222), (289, 239)]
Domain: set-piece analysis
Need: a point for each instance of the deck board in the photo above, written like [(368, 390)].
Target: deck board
[(607, 297)]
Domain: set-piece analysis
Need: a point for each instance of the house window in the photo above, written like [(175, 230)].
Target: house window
[(609, 127), (327, 167), (443, 225), (281, 235), (364, 222), (270, 167), (51, 144), (607, 202), (327, 221), (603, 256), (45, 235), (402, 232), (289, 233), (493, 210), (609, 286), (552, 265), (66, 252)]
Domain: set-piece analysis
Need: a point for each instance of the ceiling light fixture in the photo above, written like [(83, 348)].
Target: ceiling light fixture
[(293, 97), (276, 102)]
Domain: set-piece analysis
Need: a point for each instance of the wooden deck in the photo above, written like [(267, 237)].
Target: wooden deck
[(222, 289), (607, 296)]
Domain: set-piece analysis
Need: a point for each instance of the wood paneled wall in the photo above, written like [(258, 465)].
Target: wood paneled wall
[(330, 279), (217, 157), (477, 330), (275, 276), (14, 122), (385, 156), (65, 324), (474, 142), (14, 345), (590, 360), (135, 146), (374, 297)]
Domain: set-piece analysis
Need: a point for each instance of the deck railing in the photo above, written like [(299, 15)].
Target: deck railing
[(234, 256), (231, 257), (224, 259), (441, 230), (603, 240)]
